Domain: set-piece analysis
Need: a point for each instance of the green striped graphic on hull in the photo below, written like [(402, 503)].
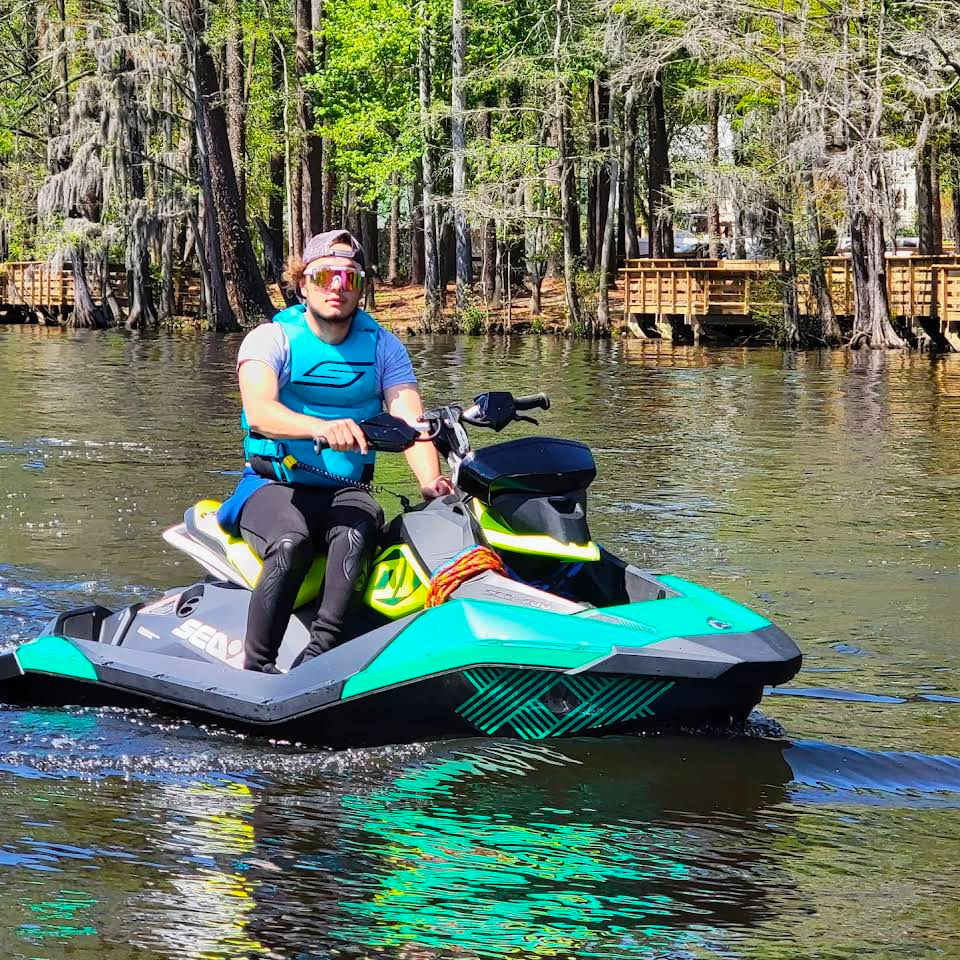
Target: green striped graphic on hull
[(533, 704)]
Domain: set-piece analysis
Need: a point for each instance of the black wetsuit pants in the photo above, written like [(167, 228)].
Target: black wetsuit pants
[(287, 527)]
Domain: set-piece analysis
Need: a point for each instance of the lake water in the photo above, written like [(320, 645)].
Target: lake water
[(821, 489)]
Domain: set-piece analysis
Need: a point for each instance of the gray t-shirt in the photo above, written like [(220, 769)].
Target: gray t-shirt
[(268, 343)]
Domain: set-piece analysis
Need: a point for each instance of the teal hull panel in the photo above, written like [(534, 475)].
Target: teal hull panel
[(471, 633), (467, 633), (56, 655)]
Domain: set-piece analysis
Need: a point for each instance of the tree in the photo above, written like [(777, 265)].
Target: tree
[(458, 105), (246, 292)]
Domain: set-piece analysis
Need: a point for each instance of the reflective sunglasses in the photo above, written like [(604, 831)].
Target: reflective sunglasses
[(350, 279)]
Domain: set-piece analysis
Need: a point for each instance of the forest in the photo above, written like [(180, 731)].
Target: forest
[(475, 146)]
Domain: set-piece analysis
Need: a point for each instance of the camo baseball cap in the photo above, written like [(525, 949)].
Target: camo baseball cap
[(323, 243)]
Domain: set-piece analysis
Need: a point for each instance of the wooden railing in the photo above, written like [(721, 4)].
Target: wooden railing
[(695, 288), (35, 284), (735, 289)]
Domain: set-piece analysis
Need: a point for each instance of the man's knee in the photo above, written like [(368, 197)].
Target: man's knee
[(291, 553), (355, 510)]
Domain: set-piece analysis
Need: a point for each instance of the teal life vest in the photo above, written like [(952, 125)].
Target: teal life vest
[(329, 381)]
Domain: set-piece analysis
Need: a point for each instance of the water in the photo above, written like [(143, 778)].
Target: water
[(820, 489)]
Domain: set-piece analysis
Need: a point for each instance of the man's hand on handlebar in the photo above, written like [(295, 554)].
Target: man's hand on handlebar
[(439, 487), (344, 436)]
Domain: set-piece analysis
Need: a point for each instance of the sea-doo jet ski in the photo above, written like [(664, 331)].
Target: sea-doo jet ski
[(490, 611)]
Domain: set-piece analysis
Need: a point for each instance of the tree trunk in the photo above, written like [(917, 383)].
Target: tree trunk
[(371, 249), (535, 237), (393, 248), (236, 98), (167, 305), (713, 160), (937, 205), (659, 179), (955, 191), (140, 309), (328, 176), (60, 70), (245, 288), (604, 136), (593, 149), (85, 313), (496, 300), (740, 212), (819, 289), (274, 225), (293, 172), (446, 247), (788, 264), (489, 267), (432, 295), (329, 198), (417, 263), (628, 201), (571, 232), (458, 135), (871, 321), (488, 239), (108, 301), (608, 244), (352, 220), (927, 245), (311, 174), (208, 244), (369, 236), (142, 312), (314, 211)]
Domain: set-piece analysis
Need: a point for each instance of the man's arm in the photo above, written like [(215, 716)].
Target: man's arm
[(266, 415), (404, 401)]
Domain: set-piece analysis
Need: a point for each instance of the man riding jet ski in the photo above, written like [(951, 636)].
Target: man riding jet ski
[(311, 375), (487, 611)]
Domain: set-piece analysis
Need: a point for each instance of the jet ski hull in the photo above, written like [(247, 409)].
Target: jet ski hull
[(470, 667)]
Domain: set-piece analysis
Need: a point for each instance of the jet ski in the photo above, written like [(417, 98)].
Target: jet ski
[(490, 611)]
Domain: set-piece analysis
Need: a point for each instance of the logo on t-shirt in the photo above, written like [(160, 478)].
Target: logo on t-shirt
[(337, 374)]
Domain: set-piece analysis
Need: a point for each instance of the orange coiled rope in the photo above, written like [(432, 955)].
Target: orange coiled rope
[(459, 570)]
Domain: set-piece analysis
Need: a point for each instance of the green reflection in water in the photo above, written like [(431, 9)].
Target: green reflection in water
[(482, 883), (66, 724), (52, 917)]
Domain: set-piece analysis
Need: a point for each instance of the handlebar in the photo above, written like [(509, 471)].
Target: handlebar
[(493, 411), (536, 401)]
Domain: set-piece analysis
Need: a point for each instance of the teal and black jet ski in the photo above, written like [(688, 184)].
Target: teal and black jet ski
[(490, 611)]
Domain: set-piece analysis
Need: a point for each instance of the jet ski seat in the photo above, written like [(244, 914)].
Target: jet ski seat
[(202, 526)]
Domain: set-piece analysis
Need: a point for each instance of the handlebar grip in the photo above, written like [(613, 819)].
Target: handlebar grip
[(533, 402), (320, 443)]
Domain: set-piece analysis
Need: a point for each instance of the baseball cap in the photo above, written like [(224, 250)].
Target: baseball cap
[(322, 245)]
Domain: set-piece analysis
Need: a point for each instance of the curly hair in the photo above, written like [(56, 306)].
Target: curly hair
[(293, 274)]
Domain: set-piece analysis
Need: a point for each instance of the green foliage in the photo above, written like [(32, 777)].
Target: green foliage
[(365, 95), (779, 67), (588, 290), (472, 319), (766, 307)]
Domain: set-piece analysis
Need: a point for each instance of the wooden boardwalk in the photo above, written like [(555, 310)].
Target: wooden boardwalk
[(33, 286), (726, 292)]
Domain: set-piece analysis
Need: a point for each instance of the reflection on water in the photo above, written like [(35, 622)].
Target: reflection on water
[(821, 489), (495, 849)]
